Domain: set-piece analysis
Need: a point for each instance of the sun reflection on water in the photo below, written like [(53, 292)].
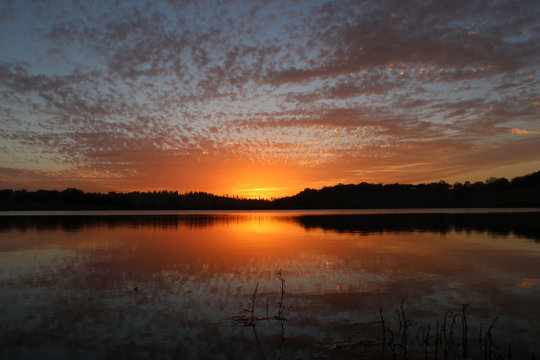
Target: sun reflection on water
[(200, 270)]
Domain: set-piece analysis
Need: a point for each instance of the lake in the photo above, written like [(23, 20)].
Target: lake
[(208, 285)]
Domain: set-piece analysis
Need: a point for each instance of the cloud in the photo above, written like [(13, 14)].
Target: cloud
[(523, 132), (150, 89), (433, 34)]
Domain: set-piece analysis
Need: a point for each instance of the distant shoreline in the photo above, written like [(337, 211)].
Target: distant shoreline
[(520, 192)]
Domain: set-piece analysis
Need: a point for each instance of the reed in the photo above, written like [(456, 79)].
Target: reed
[(443, 340), (280, 309), (247, 316)]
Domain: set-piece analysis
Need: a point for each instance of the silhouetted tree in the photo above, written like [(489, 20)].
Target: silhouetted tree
[(523, 191)]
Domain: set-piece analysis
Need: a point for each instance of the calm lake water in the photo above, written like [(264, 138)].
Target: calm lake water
[(115, 285)]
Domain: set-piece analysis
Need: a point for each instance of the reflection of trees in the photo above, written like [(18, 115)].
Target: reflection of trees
[(79, 222), (523, 224)]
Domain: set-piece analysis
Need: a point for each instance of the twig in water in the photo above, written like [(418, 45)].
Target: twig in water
[(383, 334), (391, 343), (444, 338), (488, 342), (437, 339), (253, 300), (405, 326), (464, 330), (480, 337), (280, 309), (422, 336)]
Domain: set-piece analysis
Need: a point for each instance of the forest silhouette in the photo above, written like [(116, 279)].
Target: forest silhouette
[(522, 191)]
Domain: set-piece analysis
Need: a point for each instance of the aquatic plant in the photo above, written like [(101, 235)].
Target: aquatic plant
[(447, 342), (247, 316), (280, 309), (398, 339)]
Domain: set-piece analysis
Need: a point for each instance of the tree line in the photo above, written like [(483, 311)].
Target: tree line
[(522, 191)]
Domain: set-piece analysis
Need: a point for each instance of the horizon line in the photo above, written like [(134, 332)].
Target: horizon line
[(266, 198)]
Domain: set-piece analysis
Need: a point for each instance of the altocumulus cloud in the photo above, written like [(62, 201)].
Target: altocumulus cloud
[(118, 95)]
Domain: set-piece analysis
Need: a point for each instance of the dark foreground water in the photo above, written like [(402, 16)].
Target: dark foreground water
[(174, 286)]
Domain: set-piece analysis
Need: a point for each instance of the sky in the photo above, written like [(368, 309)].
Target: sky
[(266, 98)]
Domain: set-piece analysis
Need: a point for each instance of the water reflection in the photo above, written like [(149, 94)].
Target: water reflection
[(79, 222), (522, 224), (68, 283)]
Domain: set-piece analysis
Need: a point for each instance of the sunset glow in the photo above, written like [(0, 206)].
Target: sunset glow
[(266, 98)]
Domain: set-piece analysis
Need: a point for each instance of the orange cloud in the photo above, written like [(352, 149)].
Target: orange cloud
[(523, 132), (146, 97)]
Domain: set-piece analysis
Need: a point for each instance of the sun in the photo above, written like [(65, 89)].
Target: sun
[(264, 182), (265, 193)]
